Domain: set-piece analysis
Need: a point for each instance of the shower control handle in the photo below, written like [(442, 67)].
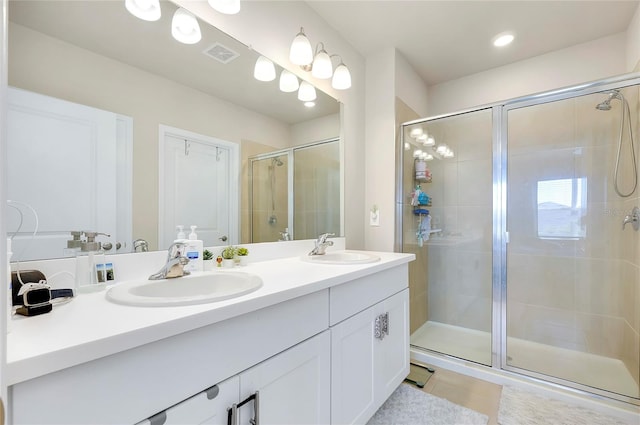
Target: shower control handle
[(633, 218)]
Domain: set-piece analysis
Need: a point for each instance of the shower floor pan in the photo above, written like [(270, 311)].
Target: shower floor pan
[(587, 369)]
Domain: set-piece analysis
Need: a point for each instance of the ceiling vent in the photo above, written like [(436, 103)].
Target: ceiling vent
[(221, 53)]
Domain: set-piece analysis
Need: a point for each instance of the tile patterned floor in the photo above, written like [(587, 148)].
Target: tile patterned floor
[(475, 394)]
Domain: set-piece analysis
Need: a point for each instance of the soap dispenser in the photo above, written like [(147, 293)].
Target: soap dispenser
[(91, 264), (181, 237), (74, 244), (193, 251)]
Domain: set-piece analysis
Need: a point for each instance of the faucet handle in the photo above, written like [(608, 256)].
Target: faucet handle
[(323, 237), (174, 249)]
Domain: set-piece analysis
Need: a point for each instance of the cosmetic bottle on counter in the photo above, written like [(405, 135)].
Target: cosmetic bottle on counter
[(193, 251), (91, 265)]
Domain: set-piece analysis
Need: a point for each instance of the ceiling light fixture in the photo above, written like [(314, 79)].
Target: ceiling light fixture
[(309, 104), (320, 66), (185, 28), (429, 142), (288, 82), (503, 39), (416, 132), (147, 10), (341, 76), (228, 7), (306, 92), (264, 70)]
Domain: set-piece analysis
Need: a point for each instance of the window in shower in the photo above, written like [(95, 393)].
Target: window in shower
[(562, 207)]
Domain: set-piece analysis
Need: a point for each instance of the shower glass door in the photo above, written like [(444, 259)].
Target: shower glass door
[(269, 197), (573, 270), (450, 233)]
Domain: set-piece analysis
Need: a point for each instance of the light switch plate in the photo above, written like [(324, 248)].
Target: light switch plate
[(374, 216)]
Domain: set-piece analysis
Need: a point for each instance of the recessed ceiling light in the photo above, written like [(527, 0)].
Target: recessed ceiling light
[(503, 39)]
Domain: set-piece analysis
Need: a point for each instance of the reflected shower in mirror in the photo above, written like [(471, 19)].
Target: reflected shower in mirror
[(95, 57)]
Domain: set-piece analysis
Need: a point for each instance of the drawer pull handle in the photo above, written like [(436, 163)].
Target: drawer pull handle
[(381, 326), (232, 413)]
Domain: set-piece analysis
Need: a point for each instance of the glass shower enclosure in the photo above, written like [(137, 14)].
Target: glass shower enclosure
[(530, 259)]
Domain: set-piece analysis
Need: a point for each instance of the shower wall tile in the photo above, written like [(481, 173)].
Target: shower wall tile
[(476, 225), (542, 127), (594, 127), (600, 289), (542, 281), (551, 326), (605, 335), (449, 194), (631, 295), (631, 352)]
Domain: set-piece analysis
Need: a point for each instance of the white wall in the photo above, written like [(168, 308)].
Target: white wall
[(269, 27), (633, 42), (322, 128), (410, 87), (590, 61), (379, 149)]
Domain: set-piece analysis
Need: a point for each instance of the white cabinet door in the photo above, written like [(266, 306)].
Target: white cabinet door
[(366, 369), (391, 355), (293, 386), (352, 369)]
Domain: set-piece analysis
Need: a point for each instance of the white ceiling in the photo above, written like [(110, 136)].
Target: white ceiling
[(445, 40)]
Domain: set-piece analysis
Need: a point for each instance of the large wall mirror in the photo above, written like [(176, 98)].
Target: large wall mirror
[(116, 127)]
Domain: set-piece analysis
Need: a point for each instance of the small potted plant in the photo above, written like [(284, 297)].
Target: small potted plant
[(208, 261), (242, 254), (227, 256)]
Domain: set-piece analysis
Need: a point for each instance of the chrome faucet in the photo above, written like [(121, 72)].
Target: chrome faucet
[(321, 244), (175, 263)]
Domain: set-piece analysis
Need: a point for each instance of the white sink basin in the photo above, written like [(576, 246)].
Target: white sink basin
[(188, 290), (342, 257)]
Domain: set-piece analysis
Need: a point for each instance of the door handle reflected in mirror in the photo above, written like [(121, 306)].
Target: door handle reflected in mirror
[(223, 238), (107, 246)]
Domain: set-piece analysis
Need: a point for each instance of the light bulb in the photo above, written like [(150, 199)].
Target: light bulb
[(341, 78), (228, 7), (148, 10), (306, 92), (288, 82), (264, 70), (301, 52), (184, 27)]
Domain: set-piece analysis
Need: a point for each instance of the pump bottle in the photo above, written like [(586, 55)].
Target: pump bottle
[(193, 251)]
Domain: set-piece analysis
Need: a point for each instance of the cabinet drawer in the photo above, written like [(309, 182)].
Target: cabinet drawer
[(353, 297), (208, 407)]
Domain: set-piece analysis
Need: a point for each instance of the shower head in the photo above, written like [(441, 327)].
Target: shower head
[(276, 161), (606, 105)]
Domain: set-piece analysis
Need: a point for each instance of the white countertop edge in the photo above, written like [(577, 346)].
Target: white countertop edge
[(27, 360)]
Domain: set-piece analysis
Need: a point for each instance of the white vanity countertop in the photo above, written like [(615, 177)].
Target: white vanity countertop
[(90, 327)]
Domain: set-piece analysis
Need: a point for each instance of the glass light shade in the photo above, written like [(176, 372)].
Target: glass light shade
[(306, 92), (429, 142), (288, 82), (185, 28), (341, 78), (148, 10), (322, 67), (442, 149), (429, 157), (264, 70), (422, 138), (228, 7), (415, 132), (301, 52), (417, 153)]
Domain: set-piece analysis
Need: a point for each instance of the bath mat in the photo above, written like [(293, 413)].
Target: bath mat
[(521, 407), (411, 406), (418, 375)]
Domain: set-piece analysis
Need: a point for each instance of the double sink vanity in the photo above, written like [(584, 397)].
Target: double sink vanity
[(283, 340)]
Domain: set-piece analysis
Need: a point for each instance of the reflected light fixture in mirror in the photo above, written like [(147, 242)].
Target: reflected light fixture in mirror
[(185, 28), (301, 52), (322, 67), (288, 82), (148, 10), (306, 92), (264, 70), (228, 7)]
